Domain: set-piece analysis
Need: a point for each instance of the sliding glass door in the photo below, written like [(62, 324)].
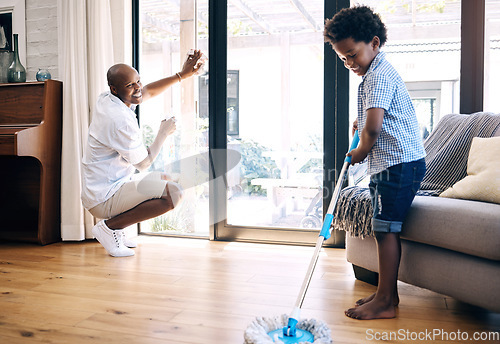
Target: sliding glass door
[(273, 116), (275, 120), (168, 30), (275, 113)]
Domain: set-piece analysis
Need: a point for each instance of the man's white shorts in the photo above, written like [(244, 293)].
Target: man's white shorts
[(142, 188)]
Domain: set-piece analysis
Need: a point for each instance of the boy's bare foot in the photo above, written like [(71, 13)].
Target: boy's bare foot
[(373, 309), (369, 298)]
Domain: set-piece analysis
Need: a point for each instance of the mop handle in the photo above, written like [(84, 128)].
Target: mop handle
[(326, 229)]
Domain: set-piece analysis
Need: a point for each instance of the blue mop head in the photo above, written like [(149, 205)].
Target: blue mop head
[(270, 330), (290, 334)]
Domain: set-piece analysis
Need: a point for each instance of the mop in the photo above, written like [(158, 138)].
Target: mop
[(286, 329)]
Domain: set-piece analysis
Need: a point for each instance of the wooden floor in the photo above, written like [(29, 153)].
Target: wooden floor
[(176, 291)]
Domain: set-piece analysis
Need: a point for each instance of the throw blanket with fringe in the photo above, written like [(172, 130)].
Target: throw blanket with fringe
[(447, 151), (448, 147), (353, 212)]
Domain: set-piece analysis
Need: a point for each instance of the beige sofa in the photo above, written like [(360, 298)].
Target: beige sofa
[(450, 246)]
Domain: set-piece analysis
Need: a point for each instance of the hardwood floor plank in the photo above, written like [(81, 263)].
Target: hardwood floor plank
[(69, 303), (57, 334), (188, 291), (42, 314), (180, 333)]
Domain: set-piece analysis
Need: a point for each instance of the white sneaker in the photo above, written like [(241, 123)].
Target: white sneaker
[(128, 242), (112, 240)]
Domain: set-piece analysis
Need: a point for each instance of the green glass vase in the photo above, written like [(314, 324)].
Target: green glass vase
[(16, 72)]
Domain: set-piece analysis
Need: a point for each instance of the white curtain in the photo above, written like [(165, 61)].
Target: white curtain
[(85, 54)]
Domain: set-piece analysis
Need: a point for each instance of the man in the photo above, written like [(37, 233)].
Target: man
[(111, 189)]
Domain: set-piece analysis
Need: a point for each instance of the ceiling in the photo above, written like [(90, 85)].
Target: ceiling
[(161, 18)]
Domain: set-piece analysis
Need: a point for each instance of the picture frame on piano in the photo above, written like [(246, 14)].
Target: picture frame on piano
[(6, 31), (13, 12)]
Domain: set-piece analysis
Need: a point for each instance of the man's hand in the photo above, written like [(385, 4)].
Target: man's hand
[(194, 62), (192, 65), (167, 127)]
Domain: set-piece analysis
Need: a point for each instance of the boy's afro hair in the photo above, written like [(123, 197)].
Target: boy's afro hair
[(359, 22)]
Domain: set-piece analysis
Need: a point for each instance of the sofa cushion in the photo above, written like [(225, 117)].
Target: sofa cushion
[(482, 182), (465, 226)]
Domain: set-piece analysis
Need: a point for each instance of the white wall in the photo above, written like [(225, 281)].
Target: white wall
[(121, 21), (41, 38), (42, 35)]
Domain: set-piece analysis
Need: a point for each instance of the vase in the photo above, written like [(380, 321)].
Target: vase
[(16, 72), (43, 75)]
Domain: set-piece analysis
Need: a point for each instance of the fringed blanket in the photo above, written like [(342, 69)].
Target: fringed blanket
[(353, 212), (447, 151)]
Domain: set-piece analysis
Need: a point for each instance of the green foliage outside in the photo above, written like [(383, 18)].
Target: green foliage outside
[(255, 165), (390, 6), (179, 220), (147, 135)]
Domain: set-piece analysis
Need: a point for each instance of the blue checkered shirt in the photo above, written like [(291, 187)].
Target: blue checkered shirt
[(399, 140)]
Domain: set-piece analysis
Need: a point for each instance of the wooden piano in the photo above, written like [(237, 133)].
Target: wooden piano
[(30, 161)]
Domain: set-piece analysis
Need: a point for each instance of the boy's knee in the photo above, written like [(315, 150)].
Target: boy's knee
[(175, 191)]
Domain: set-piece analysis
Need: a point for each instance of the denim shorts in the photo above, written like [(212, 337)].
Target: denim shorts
[(392, 192)]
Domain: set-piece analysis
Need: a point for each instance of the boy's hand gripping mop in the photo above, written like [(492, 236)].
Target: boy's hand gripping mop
[(266, 331)]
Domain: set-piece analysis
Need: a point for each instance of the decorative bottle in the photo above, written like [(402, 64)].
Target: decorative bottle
[(16, 72)]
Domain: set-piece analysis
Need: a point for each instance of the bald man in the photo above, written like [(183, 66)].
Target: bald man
[(111, 189)]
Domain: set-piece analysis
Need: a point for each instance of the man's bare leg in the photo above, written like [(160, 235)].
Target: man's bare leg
[(147, 209)]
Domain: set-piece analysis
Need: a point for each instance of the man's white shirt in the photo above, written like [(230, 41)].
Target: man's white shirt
[(114, 145)]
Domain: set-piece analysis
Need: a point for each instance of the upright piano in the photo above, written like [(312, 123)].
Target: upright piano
[(30, 161)]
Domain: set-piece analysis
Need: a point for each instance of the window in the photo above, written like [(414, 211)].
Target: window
[(423, 45), (168, 32), (492, 57)]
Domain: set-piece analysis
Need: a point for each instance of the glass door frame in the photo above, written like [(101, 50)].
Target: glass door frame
[(335, 136)]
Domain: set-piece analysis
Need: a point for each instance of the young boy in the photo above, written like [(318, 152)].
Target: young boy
[(389, 140)]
